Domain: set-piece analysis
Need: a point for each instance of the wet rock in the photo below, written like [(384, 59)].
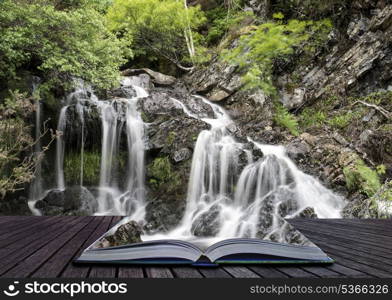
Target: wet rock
[(125, 234), (364, 68), (308, 138), (294, 99), (182, 154), (156, 77), (217, 82), (307, 212), (91, 123), (208, 223), (297, 150), (163, 215), (340, 139), (377, 146), (160, 103), (357, 28), (72, 201)]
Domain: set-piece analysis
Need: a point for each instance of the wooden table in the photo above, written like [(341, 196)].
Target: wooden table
[(44, 247)]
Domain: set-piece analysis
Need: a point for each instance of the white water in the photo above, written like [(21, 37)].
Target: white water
[(220, 205), (116, 196), (62, 122), (113, 200), (36, 189)]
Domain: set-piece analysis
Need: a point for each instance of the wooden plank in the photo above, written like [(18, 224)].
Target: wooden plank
[(12, 236), (30, 264), (16, 223), (347, 271), (240, 272), (363, 227), (158, 272), (358, 256), (100, 271), (186, 272), (81, 271), (53, 267), (28, 246), (296, 272), (348, 261), (107, 271), (130, 272), (353, 236), (355, 245), (323, 272), (337, 228), (214, 273), (268, 272)]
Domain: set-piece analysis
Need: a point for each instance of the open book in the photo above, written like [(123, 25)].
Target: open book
[(204, 251)]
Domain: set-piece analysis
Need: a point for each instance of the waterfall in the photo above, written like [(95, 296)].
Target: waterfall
[(36, 189), (221, 205), (120, 119), (116, 115), (80, 110), (62, 122)]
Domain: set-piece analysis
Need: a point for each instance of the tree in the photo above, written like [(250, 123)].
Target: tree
[(158, 28), (264, 44), (17, 162), (59, 39)]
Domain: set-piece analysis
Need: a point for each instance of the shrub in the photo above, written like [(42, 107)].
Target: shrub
[(286, 120), (312, 117), (361, 177), (258, 49)]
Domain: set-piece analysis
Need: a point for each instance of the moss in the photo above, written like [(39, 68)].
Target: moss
[(91, 168), (361, 177), (171, 138), (162, 175)]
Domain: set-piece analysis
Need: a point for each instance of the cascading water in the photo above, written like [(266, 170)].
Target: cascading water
[(36, 189), (220, 205), (117, 115), (224, 199), (111, 199)]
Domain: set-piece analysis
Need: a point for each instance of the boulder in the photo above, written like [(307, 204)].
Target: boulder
[(72, 201), (181, 155), (156, 77), (128, 233), (208, 223), (163, 215), (297, 150)]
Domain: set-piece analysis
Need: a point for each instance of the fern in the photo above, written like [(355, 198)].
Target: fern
[(286, 120)]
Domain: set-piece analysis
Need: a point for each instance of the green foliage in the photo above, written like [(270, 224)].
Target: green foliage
[(221, 21), (377, 98), (162, 175), (61, 43), (381, 169), (361, 177), (157, 29), (286, 120), (91, 167), (266, 43), (311, 117), (170, 138), (17, 163), (314, 9), (341, 121)]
